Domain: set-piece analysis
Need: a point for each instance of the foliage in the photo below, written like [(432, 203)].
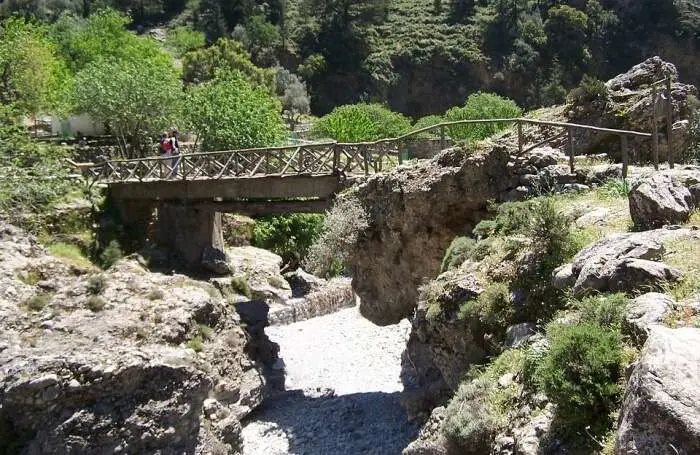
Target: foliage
[(480, 106), (470, 422), (425, 122), (493, 308), (580, 372), (231, 113), (38, 302), (137, 98), (240, 286), (331, 253), (196, 344), (183, 39), (360, 123), (70, 252), (155, 294), (605, 310), (96, 284), (290, 236), (614, 189), (32, 175), (458, 251), (95, 303), (293, 95), (224, 56), (206, 332), (30, 71), (589, 90), (111, 254)]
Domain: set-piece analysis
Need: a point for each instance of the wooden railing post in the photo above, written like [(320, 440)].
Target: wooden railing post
[(301, 159), (655, 128), (180, 165), (336, 158), (669, 121), (570, 138), (400, 148), (625, 155), (442, 138), (520, 137), (365, 154)]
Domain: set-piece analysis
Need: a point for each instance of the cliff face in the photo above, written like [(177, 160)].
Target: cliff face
[(414, 214)]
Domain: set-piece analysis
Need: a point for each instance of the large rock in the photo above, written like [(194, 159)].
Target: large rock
[(645, 313), (661, 410), (261, 269), (414, 213), (120, 360), (625, 262), (658, 200)]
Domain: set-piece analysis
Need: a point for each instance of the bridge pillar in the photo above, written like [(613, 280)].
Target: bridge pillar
[(194, 233)]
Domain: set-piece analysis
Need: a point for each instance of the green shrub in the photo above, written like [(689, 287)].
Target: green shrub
[(458, 251), (485, 228), (183, 39), (425, 122), (481, 249), (480, 106), (240, 286), (580, 373), (70, 252), (205, 332), (604, 310), (470, 422), (37, 302), (196, 344), (590, 89), (155, 294), (492, 307), (290, 236), (96, 284), (360, 123), (111, 254), (95, 304), (332, 251), (613, 189)]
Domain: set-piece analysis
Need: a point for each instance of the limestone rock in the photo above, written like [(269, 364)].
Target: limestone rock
[(262, 271), (563, 277), (644, 313), (302, 283), (625, 261), (215, 260), (431, 440), (544, 156), (659, 199), (661, 408)]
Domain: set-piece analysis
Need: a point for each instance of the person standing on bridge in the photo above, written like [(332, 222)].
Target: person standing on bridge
[(174, 152)]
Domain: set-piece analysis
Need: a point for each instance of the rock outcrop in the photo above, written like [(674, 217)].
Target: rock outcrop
[(622, 262), (661, 409), (658, 200), (117, 361), (645, 313)]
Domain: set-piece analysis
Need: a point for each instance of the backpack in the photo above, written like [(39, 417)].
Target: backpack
[(166, 145), (174, 146)]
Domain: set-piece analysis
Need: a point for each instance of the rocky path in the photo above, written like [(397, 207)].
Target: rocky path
[(343, 390)]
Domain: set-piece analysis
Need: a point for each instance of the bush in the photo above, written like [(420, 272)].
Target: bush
[(492, 307), (613, 189), (183, 39), (196, 344), (469, 420), (458, 251), (155, 294), (425, 122), (589, 90), (205, 332), (480, 106), (38, 302), (332, 251), (290, 236), (111, 254), (361, 123), (96, 284), (70, 252), (604, 310), (240, 286), (95, 304), (580, 372)]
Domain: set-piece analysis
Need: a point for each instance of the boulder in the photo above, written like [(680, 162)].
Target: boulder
[(563, 277), (215, 261), (518, 335), (625, 261), (661, 410), (658, 200), (303, 283), (644, 313), (544, 156), (262, 271), (695, 193)]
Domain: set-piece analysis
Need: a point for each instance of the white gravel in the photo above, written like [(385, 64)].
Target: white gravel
[(357, 360)]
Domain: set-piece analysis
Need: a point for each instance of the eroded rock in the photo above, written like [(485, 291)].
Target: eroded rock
[(661, 409), (658, 200), (644, 313)]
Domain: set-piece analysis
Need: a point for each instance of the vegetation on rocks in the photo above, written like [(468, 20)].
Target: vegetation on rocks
[(289, 236), (361, 123)]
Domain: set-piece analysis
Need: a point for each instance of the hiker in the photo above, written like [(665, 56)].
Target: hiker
[(174, 152), (164, 144)]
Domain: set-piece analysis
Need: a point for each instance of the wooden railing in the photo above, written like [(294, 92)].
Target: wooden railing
[(326, 158)]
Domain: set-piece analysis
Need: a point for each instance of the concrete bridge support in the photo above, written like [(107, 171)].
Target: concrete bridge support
[(194, 233)]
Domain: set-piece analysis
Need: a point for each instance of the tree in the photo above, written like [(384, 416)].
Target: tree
[(361, 122), (230, 112), (137, 98), (567, 34), (30, 71), (292, 93), (225, 55)]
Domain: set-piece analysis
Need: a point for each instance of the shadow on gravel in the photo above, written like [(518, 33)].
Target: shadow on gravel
[(361, 423)]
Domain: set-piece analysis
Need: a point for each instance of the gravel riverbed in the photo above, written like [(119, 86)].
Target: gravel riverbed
[(342, 381)]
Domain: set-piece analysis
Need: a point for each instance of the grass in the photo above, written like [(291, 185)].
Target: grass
[(37, 302), (684, 254), (30, 277), (155, 294), (275, 281), (240, 286), (205, 332), (71, 253), (196, 344), (95, 304), (96, 284)]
